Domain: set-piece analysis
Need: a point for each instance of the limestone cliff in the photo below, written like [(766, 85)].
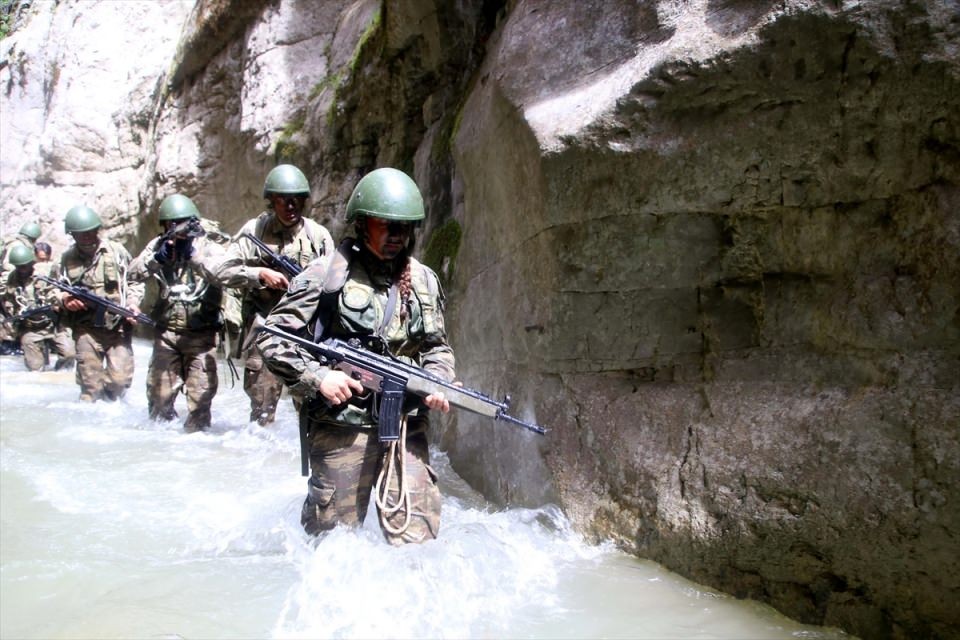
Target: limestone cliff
[(715, 245)]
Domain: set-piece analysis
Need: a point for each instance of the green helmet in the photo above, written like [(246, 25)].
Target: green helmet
[(20, 254), (386, 193), (177, 207), (286, 179), (81, 218), (30, 230)]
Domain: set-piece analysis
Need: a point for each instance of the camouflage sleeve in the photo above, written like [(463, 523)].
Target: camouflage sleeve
[(298, 369), (206, 259), (240, 267), (144, 264)]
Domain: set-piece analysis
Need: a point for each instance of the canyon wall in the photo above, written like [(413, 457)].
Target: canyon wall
[(713, 245)]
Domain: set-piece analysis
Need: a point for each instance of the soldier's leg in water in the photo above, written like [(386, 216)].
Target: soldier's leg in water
[(64, 348), (342, 463), (201, 378), (90, 374), (32, 344), (164, 377), (262, 387), (425, 499), (119, 353)]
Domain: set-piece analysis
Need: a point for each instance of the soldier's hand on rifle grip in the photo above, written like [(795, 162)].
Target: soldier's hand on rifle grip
[(136, 311), (337, 387), (71, 303), (273, 279)]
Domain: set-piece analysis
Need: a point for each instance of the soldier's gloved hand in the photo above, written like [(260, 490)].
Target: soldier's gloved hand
[(184, 247), (163, 253)]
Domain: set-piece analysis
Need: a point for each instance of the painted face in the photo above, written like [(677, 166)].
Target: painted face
[(387, 239), (87, 241), (24, 271), (288, 209)]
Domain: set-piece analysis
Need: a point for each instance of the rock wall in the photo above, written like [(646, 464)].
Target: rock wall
[(719, 253), (712, 244)]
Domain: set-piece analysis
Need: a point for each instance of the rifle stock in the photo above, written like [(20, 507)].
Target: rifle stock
[(392, 378)]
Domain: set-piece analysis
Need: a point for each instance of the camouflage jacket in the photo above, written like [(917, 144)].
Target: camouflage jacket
[(189, 296), (19, 296), (241, 266), (104, 274), (360, 285)]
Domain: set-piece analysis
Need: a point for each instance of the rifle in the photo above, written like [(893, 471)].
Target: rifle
[(281, 263), (102, 305), (189, 228), (46, 309), (393, 378)]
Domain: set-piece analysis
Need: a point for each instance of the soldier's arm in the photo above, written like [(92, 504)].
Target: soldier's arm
[(298, 369), (144, 264), (207, 258), (240, 267)]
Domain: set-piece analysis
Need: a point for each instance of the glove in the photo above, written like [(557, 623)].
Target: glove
[(184, 247), (162, 254)]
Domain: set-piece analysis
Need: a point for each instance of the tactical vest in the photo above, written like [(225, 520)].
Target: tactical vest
[(105, 274)]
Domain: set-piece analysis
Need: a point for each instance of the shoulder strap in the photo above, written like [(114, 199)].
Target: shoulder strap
[(333, 280)]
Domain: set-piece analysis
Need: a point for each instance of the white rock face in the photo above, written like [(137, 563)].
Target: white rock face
[(79, 81)]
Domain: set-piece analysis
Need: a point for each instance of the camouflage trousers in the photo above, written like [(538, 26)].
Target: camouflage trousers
[(345, 463), (262, 387), (34, 344), (104, 362), (183, 361)]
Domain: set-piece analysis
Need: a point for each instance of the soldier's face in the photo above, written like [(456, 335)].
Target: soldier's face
[(24, 271), (288, 209), (387, 239), (87, 241)]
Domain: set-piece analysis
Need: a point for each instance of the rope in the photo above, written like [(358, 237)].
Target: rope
[(396, 451)]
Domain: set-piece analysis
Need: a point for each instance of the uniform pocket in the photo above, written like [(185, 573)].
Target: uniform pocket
[(358, 309)]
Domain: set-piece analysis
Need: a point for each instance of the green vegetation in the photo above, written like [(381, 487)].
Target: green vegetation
[(8, 13), (287, 150), (442, 248)]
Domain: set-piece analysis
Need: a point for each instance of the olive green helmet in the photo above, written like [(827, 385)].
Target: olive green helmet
[(177, 207), (386, 193), (81, 218), (30, 230), (21, 254), (287, 180)]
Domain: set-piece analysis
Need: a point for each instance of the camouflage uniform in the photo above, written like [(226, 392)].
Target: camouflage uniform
[(108, 339), (7, 331), (302, 243), (188, 325), (345, 455), (41, 331)]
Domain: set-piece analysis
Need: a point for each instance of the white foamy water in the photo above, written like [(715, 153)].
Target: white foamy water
[(114, 526)]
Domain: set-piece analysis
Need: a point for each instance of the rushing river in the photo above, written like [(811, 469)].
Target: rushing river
[(114, 526)]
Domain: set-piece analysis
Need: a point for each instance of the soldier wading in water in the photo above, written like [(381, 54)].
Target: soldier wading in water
[(374, 290), (284, 230), (187, 313)]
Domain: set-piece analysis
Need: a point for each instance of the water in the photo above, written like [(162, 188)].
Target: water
[(114, 526)]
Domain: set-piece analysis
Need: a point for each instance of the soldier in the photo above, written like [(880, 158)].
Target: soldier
[(34, 305), (101, 266), (374, 290), (27, 235), (183, 261), (286, 232), (43, 252)]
